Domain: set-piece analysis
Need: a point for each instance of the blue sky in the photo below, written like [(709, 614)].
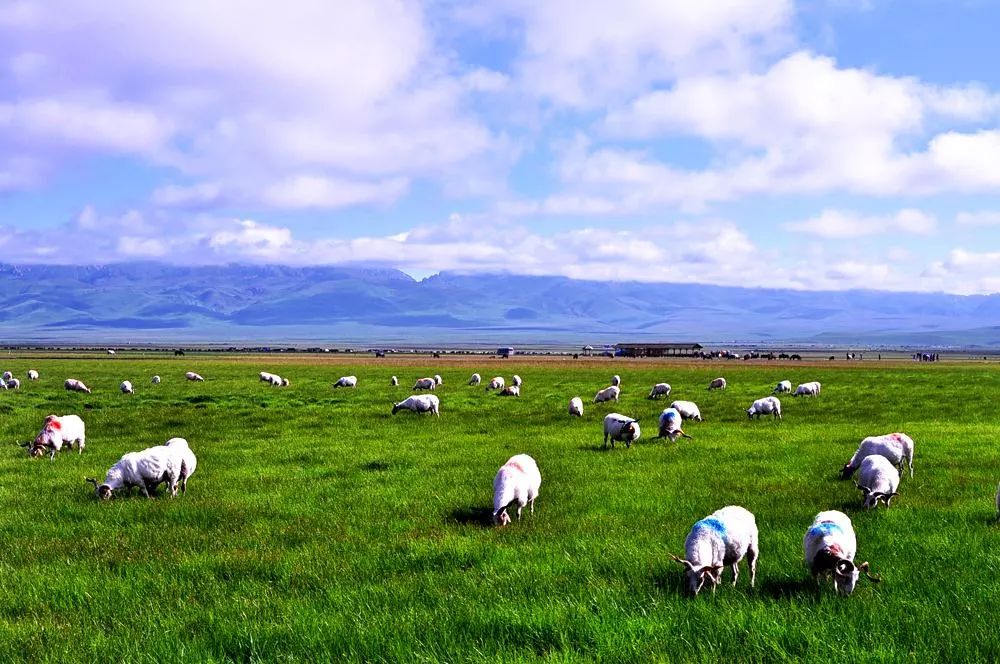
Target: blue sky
[(828, 144)]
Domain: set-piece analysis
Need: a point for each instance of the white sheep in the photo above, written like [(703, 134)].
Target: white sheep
[(616, 380), (496, 383), (723, 538), (13, 384), (126, 387), (6, 376), (830, 546), (510, 391), (285, 382), (155, 380), (347, 381), (32, 374), (659, 390), (670, 425), (189, 462), (688, 410), (438, 380), (517, 481), (618, 427), (717, 384), (266, 376), (475, 379), (111, 351), (878, 479), (896, 447), (608, 394), (393, 381), (419, 403), (810, 389), (56, 432), (145, 469), (190, 375), (782, 386), (516, 380), (576, 406), (424, 384), (765, 406), (74, 385)]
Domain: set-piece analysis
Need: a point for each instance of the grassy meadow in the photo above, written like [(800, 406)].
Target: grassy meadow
[(319, 527)]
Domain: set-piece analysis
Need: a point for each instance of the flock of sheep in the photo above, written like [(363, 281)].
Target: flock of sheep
[(722, 539)]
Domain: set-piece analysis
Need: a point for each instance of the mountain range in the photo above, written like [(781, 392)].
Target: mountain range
[(152, 302)]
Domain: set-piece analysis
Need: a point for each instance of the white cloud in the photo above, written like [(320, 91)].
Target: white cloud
[(845, 224), (967, 272), (980, 218), (311, 191)]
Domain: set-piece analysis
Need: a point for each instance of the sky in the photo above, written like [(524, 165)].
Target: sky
[(821, 144)]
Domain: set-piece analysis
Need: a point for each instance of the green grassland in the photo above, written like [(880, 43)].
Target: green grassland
[(319, 527)]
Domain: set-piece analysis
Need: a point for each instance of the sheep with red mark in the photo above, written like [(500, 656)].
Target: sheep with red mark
[(723, 538), (830, 546), (57, 432), (896, 447), (517, 481)]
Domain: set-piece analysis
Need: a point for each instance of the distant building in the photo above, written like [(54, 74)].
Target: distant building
[(657, 350), (506, 351)]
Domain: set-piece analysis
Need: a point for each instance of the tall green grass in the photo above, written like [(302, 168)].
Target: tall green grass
[(319, 527)]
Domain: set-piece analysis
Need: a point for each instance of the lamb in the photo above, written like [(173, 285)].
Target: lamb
[(878, 479), (896, 447), (717, 384), (424, 384), (189, 462), (608, 394), (496, 383), (32, 374), (723, 538), (510, 391), (419, 403), (765, 406), (394, 381), (830, 545), (518, 481), (438, 380), (145, 469), (56, 432), (476, 379), (13, 384), (347, 381), (616, 380), (74, 385), (687, 409), (190, 375), (659, 390), (620, 427), (670, 425), (783, 386), (156, 380), (126, 387), (516, 380), (576, 408), (810, 389)]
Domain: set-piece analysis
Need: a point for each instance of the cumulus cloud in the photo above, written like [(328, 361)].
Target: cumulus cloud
[(844, 224)]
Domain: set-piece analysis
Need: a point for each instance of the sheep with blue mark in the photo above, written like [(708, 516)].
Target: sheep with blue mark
[(670, 425), (830, 546), (723, 538)]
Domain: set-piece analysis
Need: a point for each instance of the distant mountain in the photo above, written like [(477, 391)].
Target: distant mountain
[(150, 302)]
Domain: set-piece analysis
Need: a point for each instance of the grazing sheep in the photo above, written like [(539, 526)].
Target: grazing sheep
[(13, 384), (285, 382), (608, 394), (74, 385), (878, 479), (190, 375), (111, 351), (419, 403), (510, 391), (717, 384), (576, 406), (126, 387), (620, 427), (476, 379), (267, 377), (438, 380), (723, 538), (347, 381), (56, 432), (896, 447), (394, 381), (156, 380), (687, 409), (3, 385), (670, 425), (424, 384), (6, 376), (616, 380), (517, 481), (659, 390), (765, 406), (496, 383), (783, 386), (32, 374), (145, 469), (189, 462), (830, 545), (516, 380), (810, 389)]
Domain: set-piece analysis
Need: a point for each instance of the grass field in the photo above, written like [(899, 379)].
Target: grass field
[(318, 527)]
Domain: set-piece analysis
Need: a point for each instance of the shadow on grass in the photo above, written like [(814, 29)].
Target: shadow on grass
[(376, 466), (474, 516), (599, 448), (798, 588)]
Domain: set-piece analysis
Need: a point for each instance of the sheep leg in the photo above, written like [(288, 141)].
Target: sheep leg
[(736, 572), (519, 508), (752, 554), (145, 490)]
